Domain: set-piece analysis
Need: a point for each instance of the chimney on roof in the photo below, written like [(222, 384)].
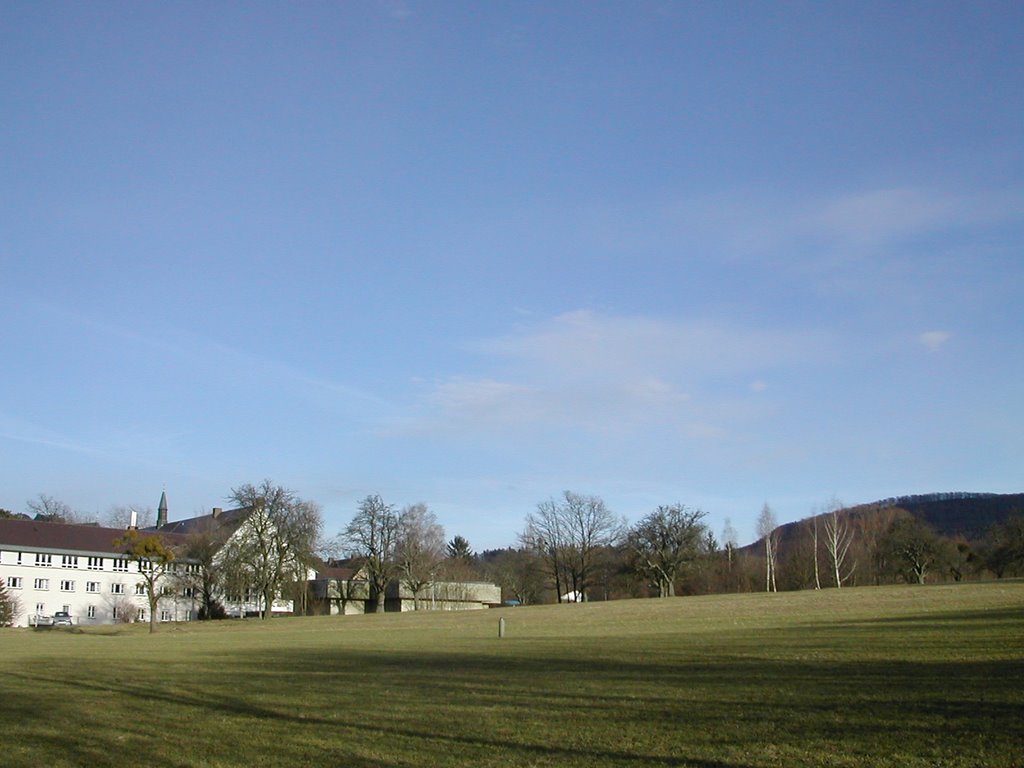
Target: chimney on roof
[(161, 511), (133, 523), (216, 512)]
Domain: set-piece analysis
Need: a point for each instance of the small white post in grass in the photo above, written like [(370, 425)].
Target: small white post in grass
[(501, 627)]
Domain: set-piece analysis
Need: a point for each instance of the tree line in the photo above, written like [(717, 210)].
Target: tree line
[(572, 548)]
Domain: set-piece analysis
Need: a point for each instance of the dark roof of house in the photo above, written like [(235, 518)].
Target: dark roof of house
[(223, 522), (36, 534), (344, 574), (344, 570)]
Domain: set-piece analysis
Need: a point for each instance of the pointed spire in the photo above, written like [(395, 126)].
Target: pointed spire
[(161, 511)]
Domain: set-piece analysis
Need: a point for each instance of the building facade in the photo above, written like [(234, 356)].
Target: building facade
[(344, 590), (78, 569)]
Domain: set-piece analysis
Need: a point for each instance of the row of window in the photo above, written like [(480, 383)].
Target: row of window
[(90, 612), (15, 582), (120, 564), (46, 560), (66, 585)]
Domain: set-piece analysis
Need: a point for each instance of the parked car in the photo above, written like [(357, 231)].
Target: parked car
[(62, 619)]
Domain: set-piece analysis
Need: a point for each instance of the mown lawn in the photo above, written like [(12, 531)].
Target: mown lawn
[(901, 676)]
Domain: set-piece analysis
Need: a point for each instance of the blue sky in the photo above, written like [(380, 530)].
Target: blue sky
[(476, 254)]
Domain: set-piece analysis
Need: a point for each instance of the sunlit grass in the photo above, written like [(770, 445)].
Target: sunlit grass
[(890, 677)]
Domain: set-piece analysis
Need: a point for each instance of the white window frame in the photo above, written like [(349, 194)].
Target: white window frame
[(117, 588), (44, 560), (67, 585), (90, 612), (14, 582), (41, 584), (92, 586), (95, 564), (69, 561)]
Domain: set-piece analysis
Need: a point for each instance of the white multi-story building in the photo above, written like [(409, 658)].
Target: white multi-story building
[(52, 567), (78, 569)]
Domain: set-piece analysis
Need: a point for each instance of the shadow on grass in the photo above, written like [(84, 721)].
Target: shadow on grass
[(988, 617), (482, 708), (206, 704)]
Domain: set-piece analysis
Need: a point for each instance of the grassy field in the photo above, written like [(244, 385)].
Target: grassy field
[(898, 676)]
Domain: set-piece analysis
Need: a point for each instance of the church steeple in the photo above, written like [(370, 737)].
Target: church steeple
[(161, 511)]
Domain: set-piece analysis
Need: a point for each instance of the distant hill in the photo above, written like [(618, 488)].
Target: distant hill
[(950, 514), (955, 514)]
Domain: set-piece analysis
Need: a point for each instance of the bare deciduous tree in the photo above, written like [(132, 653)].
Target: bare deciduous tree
[(51, 510), (420, 548), (120, 516), (519, 573), (571, 535), (1003, 551), (280, 538), (873, 526), (665, 541), (373, 536), (204, 575), (915, 545)]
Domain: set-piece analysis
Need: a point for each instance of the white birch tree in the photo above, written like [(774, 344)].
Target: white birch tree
[(838, 538), (767, 529)]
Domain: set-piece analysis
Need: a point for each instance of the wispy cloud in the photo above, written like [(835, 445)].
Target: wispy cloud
[(585, 342), (123, 445), (753, 223), (885, 215), (599, 372), (22, 431), (197, 355), (934, 340), (395, 9)]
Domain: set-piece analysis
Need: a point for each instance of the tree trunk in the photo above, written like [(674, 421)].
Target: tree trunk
[(817, 577)]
